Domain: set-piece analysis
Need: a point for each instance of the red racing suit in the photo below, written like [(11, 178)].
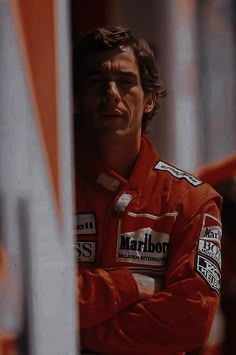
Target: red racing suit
[(163, 222)]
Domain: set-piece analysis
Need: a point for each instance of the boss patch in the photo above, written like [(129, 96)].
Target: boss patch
[(210, 250), (85, 251), (179, 174)]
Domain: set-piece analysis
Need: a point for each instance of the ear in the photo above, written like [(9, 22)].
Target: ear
[(149, 102)]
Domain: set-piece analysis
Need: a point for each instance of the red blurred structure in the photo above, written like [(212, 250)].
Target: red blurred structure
[(222, 176)]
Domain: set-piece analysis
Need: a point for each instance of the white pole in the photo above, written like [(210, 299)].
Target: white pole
[(38, 230), (183, 96)]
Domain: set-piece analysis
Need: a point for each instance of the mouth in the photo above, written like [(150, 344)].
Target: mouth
[(110, 115)]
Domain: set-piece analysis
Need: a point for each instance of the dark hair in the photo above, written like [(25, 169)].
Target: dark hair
[(112, 37)]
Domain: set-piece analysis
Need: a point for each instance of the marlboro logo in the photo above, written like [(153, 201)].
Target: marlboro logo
[(144, 246)]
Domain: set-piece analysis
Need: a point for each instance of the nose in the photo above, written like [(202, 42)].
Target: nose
[(112, 94)]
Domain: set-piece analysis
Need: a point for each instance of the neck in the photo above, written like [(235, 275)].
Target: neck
[(119, 155)]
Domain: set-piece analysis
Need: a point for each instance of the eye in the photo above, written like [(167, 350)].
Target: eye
[(95, 79), (126, 81)]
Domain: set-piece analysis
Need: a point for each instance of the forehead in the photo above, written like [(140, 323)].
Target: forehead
[(115, 59)]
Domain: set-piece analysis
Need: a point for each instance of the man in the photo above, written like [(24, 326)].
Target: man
[(147, 234)]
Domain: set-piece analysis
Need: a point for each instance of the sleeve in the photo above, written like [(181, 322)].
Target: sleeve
[(179, 317), (8, 345), (103, 294), (7, 341), (2, 265)]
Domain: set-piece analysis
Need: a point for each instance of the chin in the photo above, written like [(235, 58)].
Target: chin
[(111, 130)]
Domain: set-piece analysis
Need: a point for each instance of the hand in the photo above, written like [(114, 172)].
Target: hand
[(146, 285)]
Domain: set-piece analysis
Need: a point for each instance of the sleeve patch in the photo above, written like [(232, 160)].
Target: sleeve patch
[(179, 174), (210, 250), (208, 256), (209, 272), (211, 228)]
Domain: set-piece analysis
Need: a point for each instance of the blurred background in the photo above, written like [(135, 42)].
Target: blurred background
[(195, 42)]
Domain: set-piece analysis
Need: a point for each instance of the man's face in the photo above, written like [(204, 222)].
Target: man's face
[(111, 99)]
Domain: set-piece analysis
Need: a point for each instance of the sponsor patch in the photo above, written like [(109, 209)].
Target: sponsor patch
[(209, 272), (143, 246), (179, 174), (211, 229), (213, 233), (85, 251), (210, 250), (85, 223)]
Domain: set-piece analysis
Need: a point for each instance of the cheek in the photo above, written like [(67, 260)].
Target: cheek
[(139, 110), (138, 106), (86, 104), (135, 114)]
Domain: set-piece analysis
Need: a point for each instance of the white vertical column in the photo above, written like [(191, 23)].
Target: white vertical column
[(218, 86), (39, 243), (182, 84)]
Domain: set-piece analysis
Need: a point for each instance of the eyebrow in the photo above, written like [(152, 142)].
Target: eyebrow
[(126, 73)]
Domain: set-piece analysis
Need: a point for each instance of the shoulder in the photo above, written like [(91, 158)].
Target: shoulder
[(177, 174), (173, 188), (183, 188)]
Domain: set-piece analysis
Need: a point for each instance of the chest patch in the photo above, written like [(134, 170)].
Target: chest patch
[(143, 246), (179, 174), (85, 251), (85, 223)]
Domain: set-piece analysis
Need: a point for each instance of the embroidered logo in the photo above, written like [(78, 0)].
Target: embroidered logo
[(85, 251), (211, 250), (209, 272), (208, 256), (85, 223), (179, 174), (143, 246)]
